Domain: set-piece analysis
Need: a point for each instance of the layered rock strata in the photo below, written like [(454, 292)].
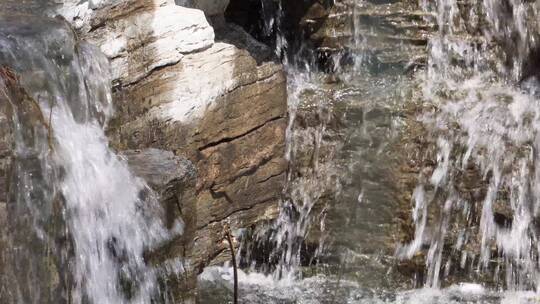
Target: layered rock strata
[(180, 89), (384, 33), (387, 32)]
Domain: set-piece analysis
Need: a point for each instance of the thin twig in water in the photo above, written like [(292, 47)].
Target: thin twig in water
[(233, 259), (340, 276), (49, 131)]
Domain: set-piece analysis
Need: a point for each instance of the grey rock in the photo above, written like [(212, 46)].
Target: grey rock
[(160, 169)]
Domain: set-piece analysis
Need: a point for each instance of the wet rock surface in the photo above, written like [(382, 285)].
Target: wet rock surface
[(202, 115), (366, 122), (171, 177), (24, 249), (173, 180), (388, 32)]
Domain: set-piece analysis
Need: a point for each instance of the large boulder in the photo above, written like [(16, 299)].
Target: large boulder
[(180, 89), (233, 131)]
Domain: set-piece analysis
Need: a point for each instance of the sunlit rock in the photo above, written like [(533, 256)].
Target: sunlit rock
[(149, 39)]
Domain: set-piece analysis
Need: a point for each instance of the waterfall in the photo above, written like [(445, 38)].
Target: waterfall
[(476, 208), (367, 111), (112, 218), (484, 123), (287, 234), (302, 209)]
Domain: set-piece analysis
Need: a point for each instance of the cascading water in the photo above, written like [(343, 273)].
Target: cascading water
[(322, 153), (111, 217), (486, 120), (474, 100), (306, 184)]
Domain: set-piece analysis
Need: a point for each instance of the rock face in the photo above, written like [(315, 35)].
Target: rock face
[(222, 107), (383, 32), (201, 119), (386, 41), (388, 32), (24, 249), (391, 38)]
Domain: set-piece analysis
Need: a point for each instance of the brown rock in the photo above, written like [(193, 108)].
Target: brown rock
[(220, 106)]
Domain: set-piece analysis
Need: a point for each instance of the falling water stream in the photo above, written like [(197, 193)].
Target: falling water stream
[(110, 217), (474, 208), (486, 121)]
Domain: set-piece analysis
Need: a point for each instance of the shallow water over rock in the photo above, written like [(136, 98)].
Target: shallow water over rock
[(416, 171)]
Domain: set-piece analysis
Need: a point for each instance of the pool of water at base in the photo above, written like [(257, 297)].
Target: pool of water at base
[(254, 288)]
